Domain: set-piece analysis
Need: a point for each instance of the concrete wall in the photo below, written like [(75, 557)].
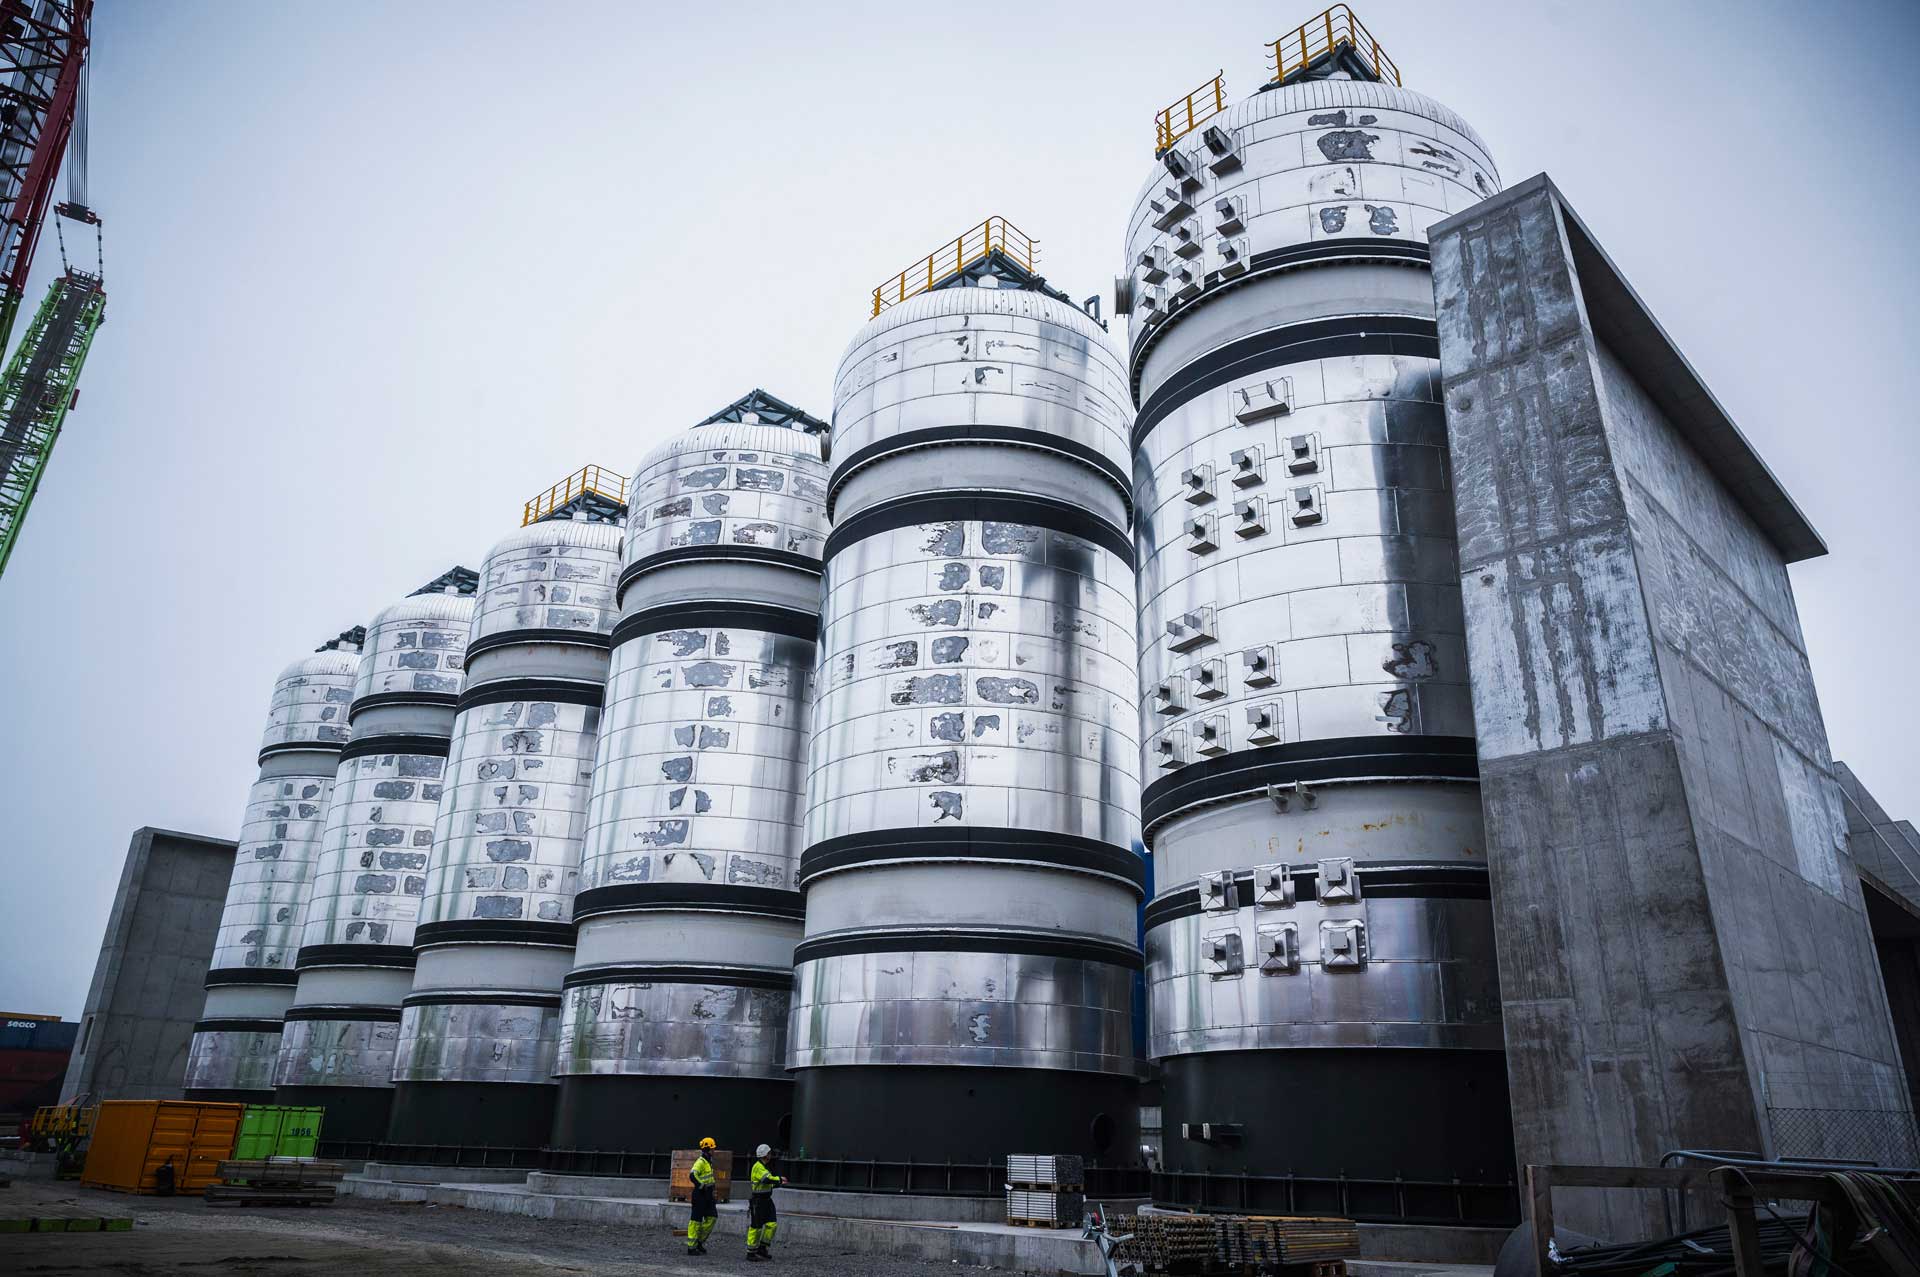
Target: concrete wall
[(1887, 854), (147, 986), (1682, 937)]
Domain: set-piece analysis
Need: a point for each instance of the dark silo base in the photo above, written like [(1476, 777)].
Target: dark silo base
[(659, 1114), (219, 1095), (924, 1113), (1377, 1134), (500, 1115), (355, 1114)]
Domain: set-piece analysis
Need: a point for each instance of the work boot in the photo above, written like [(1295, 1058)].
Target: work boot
[(754, 1256)]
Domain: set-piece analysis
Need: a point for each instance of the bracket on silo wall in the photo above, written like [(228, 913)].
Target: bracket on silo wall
[(1685, 959)]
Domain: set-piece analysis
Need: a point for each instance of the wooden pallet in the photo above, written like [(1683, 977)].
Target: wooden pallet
[(269, 1195), (1038, 1223)]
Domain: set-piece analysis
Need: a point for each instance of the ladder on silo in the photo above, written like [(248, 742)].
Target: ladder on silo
[(38, 388)]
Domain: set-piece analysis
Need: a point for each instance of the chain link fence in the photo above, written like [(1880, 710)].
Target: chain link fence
[(1850, 1117)]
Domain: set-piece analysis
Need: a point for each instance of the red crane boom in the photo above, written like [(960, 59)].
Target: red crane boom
[(43, 50)]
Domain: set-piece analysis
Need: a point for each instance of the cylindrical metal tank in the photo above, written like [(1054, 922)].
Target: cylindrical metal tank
[(251, 978), (356, 948), (964, 988), (675, 1014), (474, 1063), (1321, 929)]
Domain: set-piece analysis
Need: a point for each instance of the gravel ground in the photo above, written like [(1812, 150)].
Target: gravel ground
[(180, 1236)]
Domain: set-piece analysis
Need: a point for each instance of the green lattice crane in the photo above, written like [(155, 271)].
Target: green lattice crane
[(39, 386)]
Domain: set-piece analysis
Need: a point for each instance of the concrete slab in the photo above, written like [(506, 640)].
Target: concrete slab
[(1386, 1250), (1431, 1248), (974, 1244), (408, 1173), (19, 1163), (1384, 1268), (596, 1185)]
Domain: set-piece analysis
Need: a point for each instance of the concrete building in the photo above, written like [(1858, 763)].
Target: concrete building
[(148, 985), (1886, 853), (1685, 960)]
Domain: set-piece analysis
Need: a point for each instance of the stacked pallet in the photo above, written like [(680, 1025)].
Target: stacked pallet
[(1166, 1243), (276, 1181), (680, 1174), (1046, 1190)]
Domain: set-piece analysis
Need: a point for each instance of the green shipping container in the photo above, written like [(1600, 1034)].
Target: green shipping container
[(273, 1130)]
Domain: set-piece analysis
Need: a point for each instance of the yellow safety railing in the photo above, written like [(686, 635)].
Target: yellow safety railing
[(995, 235), (1190, 112), (1321, 35), (53, 1121), (596, 479)]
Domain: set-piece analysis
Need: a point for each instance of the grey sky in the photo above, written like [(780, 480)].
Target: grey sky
[(378, 273)]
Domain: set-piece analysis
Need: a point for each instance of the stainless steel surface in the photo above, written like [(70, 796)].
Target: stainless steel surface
[(231, 1060), (1326, 162), (728, 486), (507, 838), (344, 1052), (285, 815), (1427, 978), (476, 1042), (698, 775), (976, 1009), (557, 575), (991, 359), (372, 871), (273, 865), (370, 876), (1299, 578), (700, 1030), (976, 674), (416, 645), (310, 700), (1357, 617)]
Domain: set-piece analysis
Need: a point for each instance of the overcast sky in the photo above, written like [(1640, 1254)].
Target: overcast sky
[(378, 273)]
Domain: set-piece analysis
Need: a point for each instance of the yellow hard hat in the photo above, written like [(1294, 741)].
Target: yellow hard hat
[(708, 1143)]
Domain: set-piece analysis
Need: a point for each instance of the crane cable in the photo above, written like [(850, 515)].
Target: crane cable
[(77, 206)]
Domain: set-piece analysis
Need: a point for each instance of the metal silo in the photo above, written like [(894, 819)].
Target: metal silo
[(964, 988), (251, 979), (1321, 932), (356, 950), (474, 1063), (675, 1014)]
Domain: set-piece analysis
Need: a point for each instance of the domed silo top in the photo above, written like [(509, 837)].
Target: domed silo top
[(416, 645), (310, 700), (556, 575), (964, 364), (729, 489)]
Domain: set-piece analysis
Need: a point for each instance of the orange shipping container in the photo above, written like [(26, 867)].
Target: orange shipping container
[(133, 1139)]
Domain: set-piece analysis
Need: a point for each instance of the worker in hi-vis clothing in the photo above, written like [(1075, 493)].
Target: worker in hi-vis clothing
[(761, 1219), (704, 1214)]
